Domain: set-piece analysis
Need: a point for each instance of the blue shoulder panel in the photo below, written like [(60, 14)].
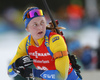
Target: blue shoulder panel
[(47, 41), (28, 43)]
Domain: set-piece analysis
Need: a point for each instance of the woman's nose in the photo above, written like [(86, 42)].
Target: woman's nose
[(40, 27)]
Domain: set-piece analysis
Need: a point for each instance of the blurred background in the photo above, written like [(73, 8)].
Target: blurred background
[(81, 18)]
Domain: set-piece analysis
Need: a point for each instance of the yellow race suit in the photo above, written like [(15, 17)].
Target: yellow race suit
[(56, 43)]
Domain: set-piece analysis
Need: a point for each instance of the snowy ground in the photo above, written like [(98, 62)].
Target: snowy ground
[(8, 46), (9, 42)]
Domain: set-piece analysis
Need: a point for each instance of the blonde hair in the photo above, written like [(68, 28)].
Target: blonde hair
[(52, 28)]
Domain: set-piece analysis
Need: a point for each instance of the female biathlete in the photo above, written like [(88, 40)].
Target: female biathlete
[(44, 49)]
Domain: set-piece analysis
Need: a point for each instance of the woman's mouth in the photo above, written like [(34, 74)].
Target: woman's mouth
[(40, 32)]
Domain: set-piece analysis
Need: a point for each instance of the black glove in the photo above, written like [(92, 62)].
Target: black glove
[(24, 72), (22, 64), (24, 61)]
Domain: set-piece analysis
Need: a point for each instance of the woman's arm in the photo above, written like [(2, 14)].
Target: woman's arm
[(21, 51), (58, 46)]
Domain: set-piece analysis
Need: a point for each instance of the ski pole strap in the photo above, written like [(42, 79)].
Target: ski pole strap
[(46, 74)]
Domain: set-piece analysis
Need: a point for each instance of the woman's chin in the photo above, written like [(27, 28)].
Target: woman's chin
[(40, 36)]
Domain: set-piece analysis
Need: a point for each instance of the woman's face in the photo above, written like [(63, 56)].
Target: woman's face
[(37, 27)]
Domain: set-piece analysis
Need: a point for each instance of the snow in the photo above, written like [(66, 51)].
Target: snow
[(90, 36), (8, 47), (87, 36)]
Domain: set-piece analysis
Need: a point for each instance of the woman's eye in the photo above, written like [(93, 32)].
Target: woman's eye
[(42, 22), (35, 25)]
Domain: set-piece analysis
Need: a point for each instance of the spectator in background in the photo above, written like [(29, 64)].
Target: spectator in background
[(75, 14), (13, 19), (89, 58), (86, 57), (74, 47), (92, 13)]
